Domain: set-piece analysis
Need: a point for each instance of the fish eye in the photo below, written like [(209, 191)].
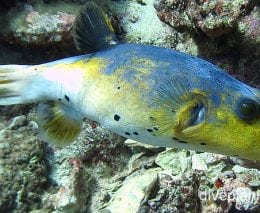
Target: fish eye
[(248, 109)]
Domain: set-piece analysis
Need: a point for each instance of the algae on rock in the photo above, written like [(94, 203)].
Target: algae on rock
[(23, 171)]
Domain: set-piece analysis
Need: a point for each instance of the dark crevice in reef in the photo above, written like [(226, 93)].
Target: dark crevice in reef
[(226, 32), (242, 61), (13, 54)]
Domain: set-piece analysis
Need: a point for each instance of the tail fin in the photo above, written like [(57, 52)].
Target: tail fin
[(15, 82)]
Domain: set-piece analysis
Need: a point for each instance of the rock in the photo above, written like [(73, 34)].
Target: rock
[(210, 163), (214, 18), (72, 195), (245, 199), (84, 171), (134, 16), (139, 161), (33, 125), (219, 29), (23, 171), (71, 169), (18, 121), (44, 24), (232, 190), (134, 192), (133, 143), (142, 147), (198, 163), (249, 26), (176, 193), (254, 184), (38, 24), (246, 163), (240, 169), (174, 160)]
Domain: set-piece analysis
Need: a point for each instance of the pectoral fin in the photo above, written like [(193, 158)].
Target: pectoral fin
[(182, 107), (59, 124)]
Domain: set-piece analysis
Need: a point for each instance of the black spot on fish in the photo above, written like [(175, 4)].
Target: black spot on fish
[(59, 99), (118, 87), (135, 133), (182, 141), (203, 144), (127, 133), (116, 117), (155, 128), (35, 69), (152, 118), (67, 98), (149, 130)]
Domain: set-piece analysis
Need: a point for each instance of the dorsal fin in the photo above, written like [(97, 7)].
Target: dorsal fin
[(92, 30), (59, 124)]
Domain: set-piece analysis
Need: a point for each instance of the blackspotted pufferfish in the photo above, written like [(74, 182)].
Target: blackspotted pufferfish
[(146, 93)]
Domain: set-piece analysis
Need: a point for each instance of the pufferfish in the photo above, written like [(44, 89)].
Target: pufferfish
[(146, 93)]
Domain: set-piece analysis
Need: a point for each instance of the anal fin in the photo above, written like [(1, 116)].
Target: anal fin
[(59, 124)]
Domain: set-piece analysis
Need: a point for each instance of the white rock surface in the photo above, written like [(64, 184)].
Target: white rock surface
[(134, 192)]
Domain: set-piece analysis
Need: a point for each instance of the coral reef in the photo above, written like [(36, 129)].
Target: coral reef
[(226, 32), (22, 166), (34, 24), (204, 182), (214, 18), (85, 166), (183, 181)]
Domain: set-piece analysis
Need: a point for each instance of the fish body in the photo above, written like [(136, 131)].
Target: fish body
[(150, 94)]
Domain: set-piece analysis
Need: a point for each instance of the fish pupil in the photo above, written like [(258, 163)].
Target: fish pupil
[(248, 109)]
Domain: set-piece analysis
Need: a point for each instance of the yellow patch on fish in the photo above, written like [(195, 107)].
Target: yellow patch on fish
[(102, 89), (226, 132)]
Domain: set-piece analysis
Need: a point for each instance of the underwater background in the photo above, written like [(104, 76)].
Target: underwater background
[(101, 171)]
